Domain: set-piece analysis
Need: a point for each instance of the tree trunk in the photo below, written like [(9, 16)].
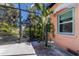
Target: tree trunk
[(46, 40), (45, 34)]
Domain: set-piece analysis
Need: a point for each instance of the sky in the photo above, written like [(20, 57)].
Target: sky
[(24, 6), (24, 14)]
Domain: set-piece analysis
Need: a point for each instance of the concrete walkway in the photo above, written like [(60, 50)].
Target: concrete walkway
[(30, 49), (17, 49)]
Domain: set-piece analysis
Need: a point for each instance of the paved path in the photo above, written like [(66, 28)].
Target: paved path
[(17, 49), (30, 49)]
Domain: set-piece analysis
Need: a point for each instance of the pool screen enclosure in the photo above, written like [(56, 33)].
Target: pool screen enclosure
[(12, 18)]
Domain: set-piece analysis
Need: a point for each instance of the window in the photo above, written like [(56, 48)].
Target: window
[(65, 22)]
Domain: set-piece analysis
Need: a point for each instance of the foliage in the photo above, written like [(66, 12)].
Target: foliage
[(40, 23), (8, 19)]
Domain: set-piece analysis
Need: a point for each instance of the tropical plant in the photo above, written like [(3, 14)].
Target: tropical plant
[(42, 25), (9, 17)]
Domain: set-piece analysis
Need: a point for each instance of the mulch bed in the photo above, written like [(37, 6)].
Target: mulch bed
[(42, 50)]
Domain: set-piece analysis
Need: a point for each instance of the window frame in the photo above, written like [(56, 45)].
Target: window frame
[(58, 22)]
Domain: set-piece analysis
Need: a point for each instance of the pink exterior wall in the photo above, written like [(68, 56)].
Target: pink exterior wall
[(64, 40)]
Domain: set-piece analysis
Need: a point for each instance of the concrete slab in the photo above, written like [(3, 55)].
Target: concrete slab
[(18, 49)]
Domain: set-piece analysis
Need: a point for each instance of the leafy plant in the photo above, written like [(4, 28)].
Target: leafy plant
[(43, 24)]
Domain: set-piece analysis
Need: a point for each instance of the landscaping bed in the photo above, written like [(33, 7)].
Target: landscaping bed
[(42, 50)]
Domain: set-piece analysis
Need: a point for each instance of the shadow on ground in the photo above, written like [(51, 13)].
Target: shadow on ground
[(6, 40), (41, 50)]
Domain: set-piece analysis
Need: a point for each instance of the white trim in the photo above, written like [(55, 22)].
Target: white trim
[(58, 24), (66, 22), (64, 5)]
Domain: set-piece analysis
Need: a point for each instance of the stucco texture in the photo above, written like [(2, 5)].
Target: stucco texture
[(63, 40)]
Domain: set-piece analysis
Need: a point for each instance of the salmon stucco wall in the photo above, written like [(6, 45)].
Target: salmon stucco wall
[(63, 40)]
